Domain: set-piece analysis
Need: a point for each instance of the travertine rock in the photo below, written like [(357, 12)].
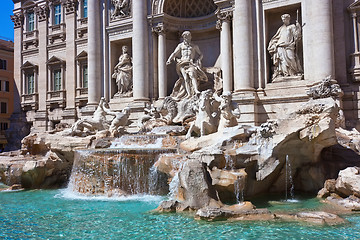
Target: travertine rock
[(348, 182)]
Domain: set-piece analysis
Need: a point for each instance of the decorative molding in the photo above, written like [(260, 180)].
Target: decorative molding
[(70, 6), (42, 12), (160, 28), (17, 19), (223, 16), (121, 9)]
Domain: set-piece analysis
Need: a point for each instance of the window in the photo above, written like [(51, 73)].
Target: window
[(57, 14), (30, 82), (7, 86), (57, 79), (85, 12), (2, 64), (85, 76), (4, 126), (31, 22), (3, 107)]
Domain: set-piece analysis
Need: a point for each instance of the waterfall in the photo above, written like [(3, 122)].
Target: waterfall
[(229, 162), (239, 191), (117, 172), (288, 180)]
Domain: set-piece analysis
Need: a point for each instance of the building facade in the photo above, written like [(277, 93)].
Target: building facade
[(66, 52), (6, 88)]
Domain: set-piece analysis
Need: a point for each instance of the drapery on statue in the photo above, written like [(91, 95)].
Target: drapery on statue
[(121, 8), (283, 48), (187, 67), (123, 74)]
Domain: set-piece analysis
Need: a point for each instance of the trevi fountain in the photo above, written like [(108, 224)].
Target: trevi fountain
[(185, 167)]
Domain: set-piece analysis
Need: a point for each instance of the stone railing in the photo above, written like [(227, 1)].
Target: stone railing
[(29, 101), (31, 38), (56, 98)]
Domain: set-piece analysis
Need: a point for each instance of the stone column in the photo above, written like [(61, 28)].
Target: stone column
[(140, 50), (162, 73), (243, 46), (356, 32), (319, 52), (224, 24), (94, 52)]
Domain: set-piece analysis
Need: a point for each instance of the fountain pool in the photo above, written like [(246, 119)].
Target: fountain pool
[(59, 214)]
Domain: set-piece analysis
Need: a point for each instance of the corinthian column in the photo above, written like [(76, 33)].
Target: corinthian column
[(94, 52), (140, 50), (223, 25), (162, 83), (243, 46), (318, 37)]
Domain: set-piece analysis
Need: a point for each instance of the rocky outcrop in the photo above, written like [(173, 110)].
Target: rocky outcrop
[(344, 192), (44, 161)]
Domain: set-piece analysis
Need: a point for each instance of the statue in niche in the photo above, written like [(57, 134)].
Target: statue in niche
[(123, 74), (283, 48), (188, 67), (121, 8)]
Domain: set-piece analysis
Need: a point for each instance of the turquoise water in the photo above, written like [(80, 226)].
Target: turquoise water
[(56, 214)]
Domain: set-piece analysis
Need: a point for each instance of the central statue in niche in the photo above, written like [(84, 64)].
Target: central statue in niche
[(189, 68), (123, 74), (283, 48)]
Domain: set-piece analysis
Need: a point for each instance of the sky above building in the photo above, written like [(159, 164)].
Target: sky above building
[(6, 25)]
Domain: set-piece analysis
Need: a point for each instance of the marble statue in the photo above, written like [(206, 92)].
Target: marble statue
[(120, 120), (122, 8), (205, 122), (89, 126), (99, 122), (283, 48), (188, 59), (123, 74), (229, 111), (327, 88)]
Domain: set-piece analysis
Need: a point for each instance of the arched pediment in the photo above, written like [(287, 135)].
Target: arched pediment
[(28, 3)]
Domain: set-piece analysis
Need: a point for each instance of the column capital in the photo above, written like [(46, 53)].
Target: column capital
[(160, 28), (354, 14), (42, 12), (223, 15), (17, 19), (70, 6)]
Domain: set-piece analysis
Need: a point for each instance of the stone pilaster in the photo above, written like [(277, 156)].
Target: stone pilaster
[(140, 51), (42, 13), (70, 81), (318, 38), (17, 18), (224, 25), (243, 46), (94, 53), (162, 73)]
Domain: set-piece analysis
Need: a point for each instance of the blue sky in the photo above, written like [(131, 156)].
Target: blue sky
[(6, 25)]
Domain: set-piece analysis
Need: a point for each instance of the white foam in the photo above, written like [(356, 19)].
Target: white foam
[(68, 194), (119, 143)]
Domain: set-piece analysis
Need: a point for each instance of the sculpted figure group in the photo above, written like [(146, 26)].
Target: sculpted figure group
[(99, 121)]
